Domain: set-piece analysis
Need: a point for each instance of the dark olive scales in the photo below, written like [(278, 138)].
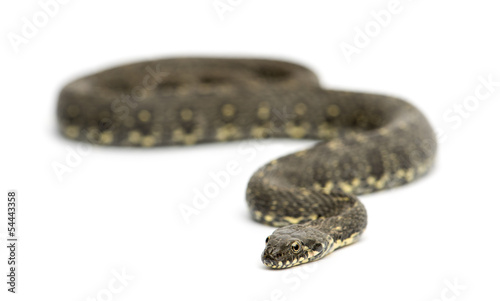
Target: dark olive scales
[(367, 142)]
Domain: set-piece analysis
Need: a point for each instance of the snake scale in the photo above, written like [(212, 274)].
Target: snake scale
[(367, 142)]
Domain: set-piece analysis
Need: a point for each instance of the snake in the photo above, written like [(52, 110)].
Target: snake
[(364, 142)]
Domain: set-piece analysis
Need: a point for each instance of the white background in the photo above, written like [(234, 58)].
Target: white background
[(118, 210)]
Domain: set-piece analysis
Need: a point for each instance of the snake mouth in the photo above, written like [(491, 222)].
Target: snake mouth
[(267, 261), (275, 264), (281, 263)]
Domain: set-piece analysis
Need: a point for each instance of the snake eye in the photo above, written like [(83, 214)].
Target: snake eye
[(296, 246), (267, 239)]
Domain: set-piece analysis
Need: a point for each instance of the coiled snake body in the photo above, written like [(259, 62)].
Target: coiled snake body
[(367, 142)]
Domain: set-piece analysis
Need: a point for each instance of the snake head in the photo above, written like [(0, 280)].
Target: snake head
[(293, 245)]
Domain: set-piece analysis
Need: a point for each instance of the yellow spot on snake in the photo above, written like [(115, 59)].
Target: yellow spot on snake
[(186, 114), (179, 135), (312, 253), (333, 110), (360, 137), (268, 218), (345, 187), (342, 243), (422, 168), (295, 131), (259, 132), (263, 112), (383, 131), (148, 141), (144, 116), (410, 174), (300, 109), (106, 137), (334, 145), (293, 220), (327, 131), (92, 134), (72, 131), (134, 137), (328, 187), (228, 110), (227, 132), (382, 181), (304, 192)]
